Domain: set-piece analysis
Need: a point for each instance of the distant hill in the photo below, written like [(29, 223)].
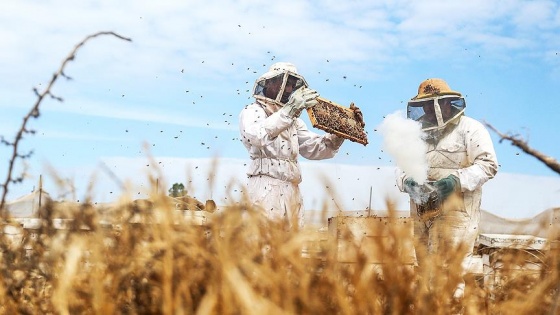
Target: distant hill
[(540, 225), (27, 206)]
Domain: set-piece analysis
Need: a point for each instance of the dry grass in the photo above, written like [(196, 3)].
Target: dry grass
[(147, 261)]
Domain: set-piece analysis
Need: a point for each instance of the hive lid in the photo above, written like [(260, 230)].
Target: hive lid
[(513, 241)]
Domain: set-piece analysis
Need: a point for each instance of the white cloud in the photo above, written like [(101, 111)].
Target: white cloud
[(56, 134), (539, 14), (493, 26), (177, 34), (138, 112)]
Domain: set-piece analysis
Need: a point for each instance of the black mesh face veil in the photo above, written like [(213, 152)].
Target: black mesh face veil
[(277, 87), (436, 112)]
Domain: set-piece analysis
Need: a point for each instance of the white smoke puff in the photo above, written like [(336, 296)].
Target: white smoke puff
[(402, 139)]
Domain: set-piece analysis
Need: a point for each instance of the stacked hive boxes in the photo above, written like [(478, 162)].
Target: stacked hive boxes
[(509, 258)]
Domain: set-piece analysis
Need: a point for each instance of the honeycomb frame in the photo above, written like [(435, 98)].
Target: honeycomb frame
[(337, 119)]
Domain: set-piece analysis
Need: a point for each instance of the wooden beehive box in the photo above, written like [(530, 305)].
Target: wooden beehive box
[(337, 119), (497, 252), (380, 239)]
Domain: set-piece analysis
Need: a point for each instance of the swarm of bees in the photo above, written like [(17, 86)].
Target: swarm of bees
[(337, 119)]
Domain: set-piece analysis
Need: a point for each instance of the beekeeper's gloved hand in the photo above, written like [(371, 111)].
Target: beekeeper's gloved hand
[(416, 192), (300, 99), (446, 186), (411, 186), (358, 114)]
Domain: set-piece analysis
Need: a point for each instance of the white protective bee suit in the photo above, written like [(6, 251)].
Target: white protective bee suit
[(456, 145), (274, 137)]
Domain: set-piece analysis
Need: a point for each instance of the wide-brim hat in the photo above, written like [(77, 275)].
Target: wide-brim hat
[(434, 87)]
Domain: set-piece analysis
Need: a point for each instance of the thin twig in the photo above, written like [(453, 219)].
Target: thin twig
[(549, 161), (34, 113)]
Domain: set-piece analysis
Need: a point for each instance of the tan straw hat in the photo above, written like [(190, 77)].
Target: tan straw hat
[(434, 87)]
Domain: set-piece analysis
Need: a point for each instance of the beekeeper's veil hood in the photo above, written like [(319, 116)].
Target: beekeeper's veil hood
[(276, 85), (436, 105)]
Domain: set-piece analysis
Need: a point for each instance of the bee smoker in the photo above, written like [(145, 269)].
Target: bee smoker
[(429, 205)]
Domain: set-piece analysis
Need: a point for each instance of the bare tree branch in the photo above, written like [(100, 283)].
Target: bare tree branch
[(34, 113), (517, 141)]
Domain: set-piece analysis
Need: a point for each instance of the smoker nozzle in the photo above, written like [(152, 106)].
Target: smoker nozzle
[(429, 202)]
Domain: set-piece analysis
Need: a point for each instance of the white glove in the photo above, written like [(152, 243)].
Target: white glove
[(301, 99)]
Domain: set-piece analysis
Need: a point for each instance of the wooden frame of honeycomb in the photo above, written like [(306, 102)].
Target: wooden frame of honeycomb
[(337, 119)]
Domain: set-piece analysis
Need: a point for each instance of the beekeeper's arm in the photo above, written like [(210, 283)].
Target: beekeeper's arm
[(481, 156), (261, 130), (317, 147)]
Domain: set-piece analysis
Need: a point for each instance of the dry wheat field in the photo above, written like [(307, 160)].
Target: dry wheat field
[(147, 258)]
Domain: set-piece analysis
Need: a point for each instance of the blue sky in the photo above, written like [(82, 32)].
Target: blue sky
[(176, 90)]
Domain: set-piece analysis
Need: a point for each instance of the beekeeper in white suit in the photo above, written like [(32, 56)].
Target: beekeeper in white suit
[(274, 136), (461, 158)]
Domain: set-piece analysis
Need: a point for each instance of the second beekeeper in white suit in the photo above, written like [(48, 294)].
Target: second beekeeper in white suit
[(275, 136), (461, 159)]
